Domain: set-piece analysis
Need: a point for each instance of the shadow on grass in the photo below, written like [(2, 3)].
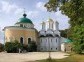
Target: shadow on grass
[(73, 57)]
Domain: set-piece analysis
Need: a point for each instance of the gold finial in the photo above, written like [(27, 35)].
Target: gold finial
[(24, 13)]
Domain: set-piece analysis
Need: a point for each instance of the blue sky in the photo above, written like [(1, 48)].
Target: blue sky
[(12, 10)]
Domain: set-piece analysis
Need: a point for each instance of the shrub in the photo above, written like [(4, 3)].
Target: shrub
[(1, 47), (12, 47), (32, 46)]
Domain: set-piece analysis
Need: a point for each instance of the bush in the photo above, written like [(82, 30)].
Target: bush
[(32, 46), (1, 47), (78, 47), (12, 47), (25, 47)]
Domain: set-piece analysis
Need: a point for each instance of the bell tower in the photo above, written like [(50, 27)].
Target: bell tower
[(51, 22), (43, 26), (56, 26)]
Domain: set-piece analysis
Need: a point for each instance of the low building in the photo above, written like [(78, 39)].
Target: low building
[(50, 39), (23, 31)]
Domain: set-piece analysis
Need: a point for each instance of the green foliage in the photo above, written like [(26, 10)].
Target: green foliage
[(25, 47), (51, 5), (64, 33), (74, 9), (12, 47), (32, 46), (1, 47)]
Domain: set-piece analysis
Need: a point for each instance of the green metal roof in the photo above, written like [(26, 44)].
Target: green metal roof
[(68, 40), (24, 20)]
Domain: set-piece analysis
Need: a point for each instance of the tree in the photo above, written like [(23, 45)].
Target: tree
[(1, 47), (74, 9), (53, 4), (64, 33)]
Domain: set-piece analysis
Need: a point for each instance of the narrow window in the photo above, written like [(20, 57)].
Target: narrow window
[(29, 40), (56, 40), (52, 26), (51, 40), (41, 40), (46, 40), (21, 25), (51, 48), (21, 40), (24, 26)]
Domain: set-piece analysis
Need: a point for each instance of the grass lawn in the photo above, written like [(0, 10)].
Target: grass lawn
[(72, 58)]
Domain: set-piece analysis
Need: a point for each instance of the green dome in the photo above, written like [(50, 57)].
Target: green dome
[(24, 20), (68, 41)]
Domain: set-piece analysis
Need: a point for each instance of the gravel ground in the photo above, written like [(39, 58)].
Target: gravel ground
[(31, 56)]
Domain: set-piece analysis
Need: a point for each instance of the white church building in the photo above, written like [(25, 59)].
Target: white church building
[(50, 39)]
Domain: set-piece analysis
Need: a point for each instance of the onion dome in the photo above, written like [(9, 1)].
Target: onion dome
[(56, 33), (49, 32), (68, 41), (24, 20), (42, 33)]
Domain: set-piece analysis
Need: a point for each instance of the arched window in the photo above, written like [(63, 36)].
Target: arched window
[(56, 40), (51, 40), (21, 25), (41, 40), (57, 35), (29, 40), (21, 40)]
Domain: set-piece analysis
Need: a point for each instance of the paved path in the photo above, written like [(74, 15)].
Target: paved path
[(25, 57)]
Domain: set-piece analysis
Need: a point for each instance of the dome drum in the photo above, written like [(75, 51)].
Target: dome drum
[(57, 33), (49, 35), (49, 32), (42, 36), (42, 33)]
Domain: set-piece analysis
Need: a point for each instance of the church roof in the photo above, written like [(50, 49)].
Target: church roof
[(68, 41), (24, 20)]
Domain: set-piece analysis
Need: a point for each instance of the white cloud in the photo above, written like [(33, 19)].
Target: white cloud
[(7, 7), (58, 13), (33, 14), (62, 19), (40, 6), (30, 14), (19, 10)]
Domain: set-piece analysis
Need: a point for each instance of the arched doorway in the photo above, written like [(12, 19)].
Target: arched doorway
[(29, 40), (21, 40)]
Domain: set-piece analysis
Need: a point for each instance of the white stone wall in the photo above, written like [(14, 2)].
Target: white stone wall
[(49, 44), (63, 47)]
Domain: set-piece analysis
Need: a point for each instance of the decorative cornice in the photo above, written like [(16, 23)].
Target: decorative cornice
[(18, 28)]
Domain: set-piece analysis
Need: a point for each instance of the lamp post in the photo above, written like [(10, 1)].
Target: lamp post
[(49, 49)]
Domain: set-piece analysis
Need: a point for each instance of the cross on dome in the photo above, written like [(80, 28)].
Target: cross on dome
[(24, 14)]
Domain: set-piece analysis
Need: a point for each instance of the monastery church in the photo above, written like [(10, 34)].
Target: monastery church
[(46, 39)]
